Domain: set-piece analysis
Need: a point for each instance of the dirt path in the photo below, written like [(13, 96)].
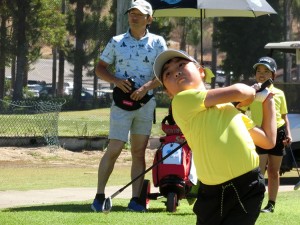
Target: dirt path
[(10, 199)]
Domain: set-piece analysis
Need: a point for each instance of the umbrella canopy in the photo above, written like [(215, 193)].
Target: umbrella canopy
[(210, 8)]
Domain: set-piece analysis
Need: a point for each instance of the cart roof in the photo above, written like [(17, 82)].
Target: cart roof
[(286, 46)]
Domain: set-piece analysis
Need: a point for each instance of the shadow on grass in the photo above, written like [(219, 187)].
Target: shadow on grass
[(85, 208), (71, 207)]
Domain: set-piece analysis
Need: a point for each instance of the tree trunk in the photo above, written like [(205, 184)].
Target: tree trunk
[(183, 36), (61, 61), (95, 87), (21, 50), (13, 71), (287, 36), (77, 56), (122, 20), (54, 69), (3, 31), (61, 75)]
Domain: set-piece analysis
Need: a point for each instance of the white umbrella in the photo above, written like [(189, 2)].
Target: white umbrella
[(210, 8)]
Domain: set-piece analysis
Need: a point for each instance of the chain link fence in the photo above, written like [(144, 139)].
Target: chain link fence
[(29, 119), (89, 123)]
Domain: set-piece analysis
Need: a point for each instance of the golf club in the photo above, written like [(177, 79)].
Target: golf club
[(297, 186), (107, 204)]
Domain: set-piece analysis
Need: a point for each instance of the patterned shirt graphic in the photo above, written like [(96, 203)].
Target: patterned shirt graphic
[(134, 58)]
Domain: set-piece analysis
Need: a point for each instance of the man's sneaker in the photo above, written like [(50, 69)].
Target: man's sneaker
[(133, 206), (268, 209), (97, 205)]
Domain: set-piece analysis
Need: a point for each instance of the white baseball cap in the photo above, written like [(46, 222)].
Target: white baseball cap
[(144, 6), (165, 56)]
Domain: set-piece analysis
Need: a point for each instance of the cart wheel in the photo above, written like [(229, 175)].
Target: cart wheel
[(171, 202), (145, 200)]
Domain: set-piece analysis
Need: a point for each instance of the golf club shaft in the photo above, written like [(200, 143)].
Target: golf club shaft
[(147, 170)]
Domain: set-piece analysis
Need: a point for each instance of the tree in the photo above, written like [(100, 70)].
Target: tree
[(193, 36), (287, 5), (4, 44), (243, 40), (22, 9), (296, 16), (32, 26), (84, 23), (53, 31), (61, 59), (122, 21)]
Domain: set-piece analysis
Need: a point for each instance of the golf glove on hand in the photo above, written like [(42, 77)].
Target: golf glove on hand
[(256, 86), (262, 95)]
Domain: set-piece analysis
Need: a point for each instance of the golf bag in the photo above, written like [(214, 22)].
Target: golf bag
[(178, 165), (174, 173)]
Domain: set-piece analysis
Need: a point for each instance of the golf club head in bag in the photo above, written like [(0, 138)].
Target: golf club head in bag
[(107, 205)]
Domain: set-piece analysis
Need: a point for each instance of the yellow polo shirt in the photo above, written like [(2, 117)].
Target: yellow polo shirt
[(280, 106), (218, 136)]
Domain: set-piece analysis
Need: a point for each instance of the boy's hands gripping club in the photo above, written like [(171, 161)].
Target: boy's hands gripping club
[(262, 92)]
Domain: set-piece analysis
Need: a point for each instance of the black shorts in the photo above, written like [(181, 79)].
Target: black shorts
[(237, 201), (278, 150)]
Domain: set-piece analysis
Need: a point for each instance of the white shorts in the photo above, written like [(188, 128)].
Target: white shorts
[(137, 121)]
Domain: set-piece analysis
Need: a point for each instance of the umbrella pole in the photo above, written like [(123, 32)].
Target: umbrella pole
[(201, 39)]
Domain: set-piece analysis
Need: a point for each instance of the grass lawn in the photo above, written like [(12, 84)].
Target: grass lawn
[(80, 213), (30, 177), (287, 213), (45, 178), (96, 122), (70, 123), (287, 207)]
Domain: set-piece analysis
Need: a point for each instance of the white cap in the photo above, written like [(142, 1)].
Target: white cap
[(144, 6), (165, 56)]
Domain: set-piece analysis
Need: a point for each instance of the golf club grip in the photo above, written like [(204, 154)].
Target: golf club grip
[(147, 170)]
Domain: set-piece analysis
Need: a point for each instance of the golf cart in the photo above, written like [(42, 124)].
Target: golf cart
[(291, 88)]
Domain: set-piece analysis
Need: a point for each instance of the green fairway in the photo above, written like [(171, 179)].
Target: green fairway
[(287, 213), (29, 178), (44, 178), (96, 122), (87, 123)]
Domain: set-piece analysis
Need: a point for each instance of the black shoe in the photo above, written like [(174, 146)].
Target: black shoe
[(268, 209)]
